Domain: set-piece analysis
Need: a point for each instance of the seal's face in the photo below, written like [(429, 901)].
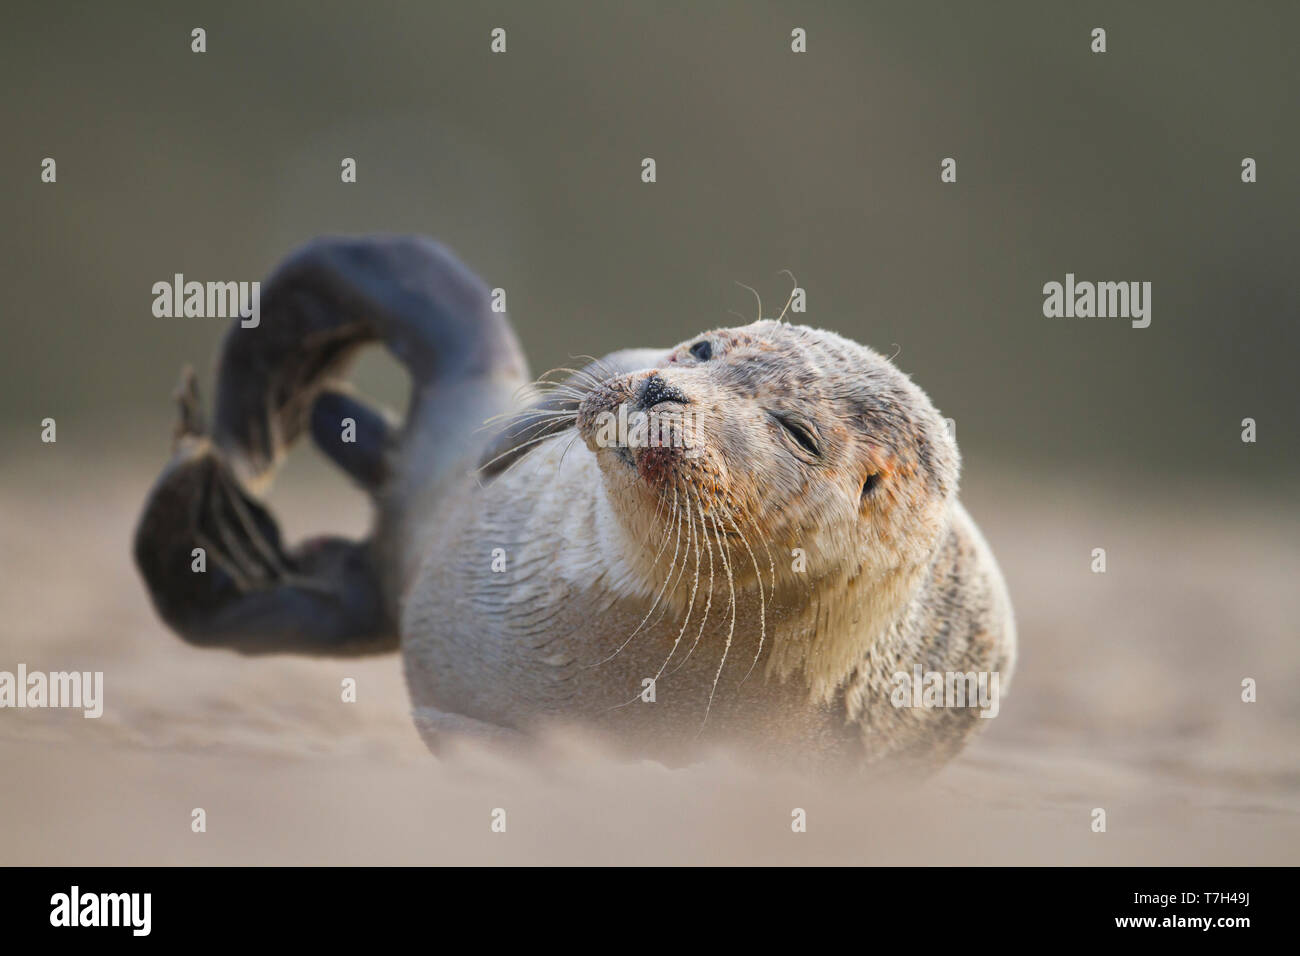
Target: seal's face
[(778, 436)]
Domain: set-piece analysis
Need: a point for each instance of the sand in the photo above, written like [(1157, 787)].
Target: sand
[(1127, 698)]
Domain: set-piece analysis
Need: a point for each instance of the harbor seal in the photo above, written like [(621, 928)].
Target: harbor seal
[(783, 567)]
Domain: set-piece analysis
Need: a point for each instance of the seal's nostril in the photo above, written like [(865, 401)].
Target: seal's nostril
[(655, 391)]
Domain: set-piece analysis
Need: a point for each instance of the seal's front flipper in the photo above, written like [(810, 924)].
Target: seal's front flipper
[(219, 574), (441, 729)]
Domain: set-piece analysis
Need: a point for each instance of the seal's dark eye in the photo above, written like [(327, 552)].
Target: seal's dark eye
[(801, 433), (702, 351), (869, 485)]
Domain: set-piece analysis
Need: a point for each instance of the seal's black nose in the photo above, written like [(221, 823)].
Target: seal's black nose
[(655, 391)]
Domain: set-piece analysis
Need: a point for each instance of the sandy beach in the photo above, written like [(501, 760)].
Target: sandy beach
[(1127, 698)]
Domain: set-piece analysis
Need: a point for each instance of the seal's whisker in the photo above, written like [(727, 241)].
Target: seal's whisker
[(731, 585), (581, 373), (547, 405), (654, 521), (756, 296), (532, 441), (575, 390), (560, 464), (690, 607), (597, 364), (519, 461), (528, 413), (546, 422), (637, 696), (560, 376), (791, 299), (528, 396), (527, 393), (680, 574), (528, 426), (557, 398), (522, 396), (762, 539), (762, 600), (579, 382), (507, 469), (664, 587), (708, 597), (521, 444)]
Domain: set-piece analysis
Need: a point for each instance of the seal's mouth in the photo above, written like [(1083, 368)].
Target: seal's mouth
[(657, 467)]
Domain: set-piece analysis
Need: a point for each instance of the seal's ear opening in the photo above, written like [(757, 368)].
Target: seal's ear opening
[(869, 485), (877, 464)]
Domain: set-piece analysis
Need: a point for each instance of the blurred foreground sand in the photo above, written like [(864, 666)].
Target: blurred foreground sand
[(1127, 697)]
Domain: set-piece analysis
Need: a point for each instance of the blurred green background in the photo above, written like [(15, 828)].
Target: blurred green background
[(1122, 166)]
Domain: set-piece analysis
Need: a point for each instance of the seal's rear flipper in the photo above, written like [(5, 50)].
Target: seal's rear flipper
[(356, 437), (279, 376), (326, 302), (219, 574)]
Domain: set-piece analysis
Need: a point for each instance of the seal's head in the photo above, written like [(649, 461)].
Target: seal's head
[(783, 435)]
